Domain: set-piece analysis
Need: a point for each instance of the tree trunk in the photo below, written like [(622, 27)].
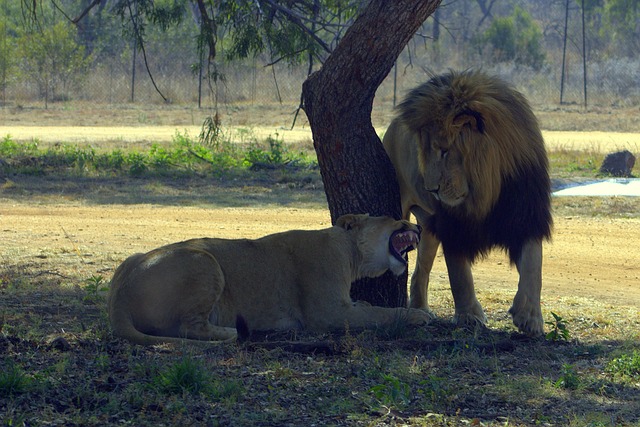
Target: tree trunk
[(338, 99)]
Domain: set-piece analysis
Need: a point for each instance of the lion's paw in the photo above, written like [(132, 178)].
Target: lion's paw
[(473, 318), (529, 322)]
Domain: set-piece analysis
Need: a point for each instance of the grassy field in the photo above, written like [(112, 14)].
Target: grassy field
[(71, 212)]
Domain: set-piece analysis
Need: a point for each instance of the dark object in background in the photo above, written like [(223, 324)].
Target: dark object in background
[(618, 164)]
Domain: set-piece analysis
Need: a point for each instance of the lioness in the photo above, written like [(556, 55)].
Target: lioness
[(472, 168), (292, 280)]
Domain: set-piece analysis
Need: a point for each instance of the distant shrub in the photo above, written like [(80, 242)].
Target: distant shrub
[(514, 38)]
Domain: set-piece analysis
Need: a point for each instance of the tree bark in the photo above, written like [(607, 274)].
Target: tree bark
[(338, 99)]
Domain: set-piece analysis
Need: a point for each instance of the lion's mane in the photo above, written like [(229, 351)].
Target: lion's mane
[(504, 155)]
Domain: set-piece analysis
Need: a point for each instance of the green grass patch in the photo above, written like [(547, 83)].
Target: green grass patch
[(189, 375), (183, 157), (215, 152), (13, 380), (626, 365), (565, 163)]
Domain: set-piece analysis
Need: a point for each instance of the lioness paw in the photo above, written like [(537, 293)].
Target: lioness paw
[(419, 317), (428, 311)]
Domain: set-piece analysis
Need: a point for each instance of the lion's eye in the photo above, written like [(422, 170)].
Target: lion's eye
[(444, 154)]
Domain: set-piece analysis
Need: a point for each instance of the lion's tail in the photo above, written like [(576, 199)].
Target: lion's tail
[(120, 314)]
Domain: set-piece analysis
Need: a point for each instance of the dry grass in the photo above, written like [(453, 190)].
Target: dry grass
[(252, 115), (578, 119)]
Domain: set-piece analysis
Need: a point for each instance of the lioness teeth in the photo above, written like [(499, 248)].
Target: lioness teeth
[(405, 241)]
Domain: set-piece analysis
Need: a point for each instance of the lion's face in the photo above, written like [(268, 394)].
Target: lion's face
[(442, 168), (473, 133), (382, 242)]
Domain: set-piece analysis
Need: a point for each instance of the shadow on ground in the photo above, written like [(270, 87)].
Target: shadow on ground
[(274, 188)]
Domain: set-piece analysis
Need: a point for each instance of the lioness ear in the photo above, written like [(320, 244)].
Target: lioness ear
[(349, 221), (470, 117)]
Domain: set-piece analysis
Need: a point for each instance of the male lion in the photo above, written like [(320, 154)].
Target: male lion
[(472, 168), (196, 289)]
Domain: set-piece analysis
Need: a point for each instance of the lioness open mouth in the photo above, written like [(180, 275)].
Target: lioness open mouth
[(401, 242)]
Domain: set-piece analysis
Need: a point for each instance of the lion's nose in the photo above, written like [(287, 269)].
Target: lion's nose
[(435, 192)]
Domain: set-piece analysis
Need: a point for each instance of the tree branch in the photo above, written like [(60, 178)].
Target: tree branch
[(297, 20), (144, 52), (282, 58), (208, 29), (86, 10)]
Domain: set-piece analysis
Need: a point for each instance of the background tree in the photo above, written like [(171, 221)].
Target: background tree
[(53, 59), (513, 38), (7, 58), (9, 28), (293, 31), (306, 31), (614, 25)]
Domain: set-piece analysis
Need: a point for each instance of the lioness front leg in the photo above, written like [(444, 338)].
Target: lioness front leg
[(526, 312), (468, 308), (363, 316)]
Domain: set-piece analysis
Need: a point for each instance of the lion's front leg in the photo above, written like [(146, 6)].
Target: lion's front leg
[(468, 308), (526, 312), (427, 249)]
